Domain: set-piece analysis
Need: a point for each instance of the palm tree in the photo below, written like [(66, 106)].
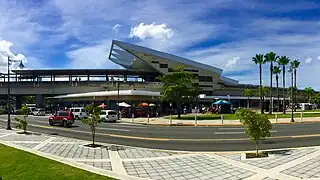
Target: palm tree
[(295, 64), (283, 61), (276, 71), (308, 92), (248, 93), (258, 59), (270, 57)]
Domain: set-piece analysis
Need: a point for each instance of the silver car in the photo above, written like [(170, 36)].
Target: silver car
[(39, 112)]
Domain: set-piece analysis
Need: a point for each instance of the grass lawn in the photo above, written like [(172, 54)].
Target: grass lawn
[(235, 117), (17, 164)]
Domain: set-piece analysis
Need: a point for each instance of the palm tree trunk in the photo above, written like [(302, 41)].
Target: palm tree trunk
[(277, 80), (284, 88), (295, 89), (270, 104), (248, 106), (292, 99), (261, 105)]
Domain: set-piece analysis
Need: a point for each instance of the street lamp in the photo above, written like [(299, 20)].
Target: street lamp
[(8, 94), (118, 97)]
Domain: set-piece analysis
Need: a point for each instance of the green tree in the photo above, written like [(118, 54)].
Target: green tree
[(308, 92), (277, 71), (29, 99), (284, 61), (22, 123), (294, 66), (92, 120), (270, 57), (257, 126), (248, 93), (177, 85), (258, 59)]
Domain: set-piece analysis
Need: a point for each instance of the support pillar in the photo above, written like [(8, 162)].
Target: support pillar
[(18, 102), (39, 100)]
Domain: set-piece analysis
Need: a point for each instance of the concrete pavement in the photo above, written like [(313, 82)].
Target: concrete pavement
[(125, 162)]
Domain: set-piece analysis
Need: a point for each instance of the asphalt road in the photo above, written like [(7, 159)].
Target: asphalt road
[(218, 138)]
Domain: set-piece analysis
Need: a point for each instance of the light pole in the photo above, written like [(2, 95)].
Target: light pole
[(8, 94), (118, 101)]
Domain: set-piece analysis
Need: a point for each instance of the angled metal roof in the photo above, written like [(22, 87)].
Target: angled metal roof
[(229, 81), (163, 55)]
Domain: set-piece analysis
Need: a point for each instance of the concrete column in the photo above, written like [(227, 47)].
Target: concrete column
[(39, 100), (18, 102)]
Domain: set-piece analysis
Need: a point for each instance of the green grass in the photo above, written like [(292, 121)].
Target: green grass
[(235, 117), (17, 164)]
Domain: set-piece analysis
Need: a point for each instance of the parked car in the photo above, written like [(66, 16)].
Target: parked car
[(79, 112), (108, 116), (31, 109), (39, 112), (63, 118)]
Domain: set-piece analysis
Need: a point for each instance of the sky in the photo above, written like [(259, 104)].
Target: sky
[(221, 33)]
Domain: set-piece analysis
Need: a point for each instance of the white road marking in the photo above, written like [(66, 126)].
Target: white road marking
[(138, 127), (113, 129), (242, 132), (231, 128)]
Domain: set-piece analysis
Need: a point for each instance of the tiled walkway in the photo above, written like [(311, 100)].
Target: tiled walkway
[(137, 163)]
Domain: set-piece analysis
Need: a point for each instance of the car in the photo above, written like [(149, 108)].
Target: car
[(108, 116), (31, 109), (64, 118), (79, 112), (39, 112)]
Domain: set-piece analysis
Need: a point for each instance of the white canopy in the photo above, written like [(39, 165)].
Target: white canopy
[(124, 104)]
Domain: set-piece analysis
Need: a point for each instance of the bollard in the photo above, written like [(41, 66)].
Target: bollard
[(148, 119), (276, 117), (132, 117), (170, 119), (195, 120), (301, 116), (222, 118)]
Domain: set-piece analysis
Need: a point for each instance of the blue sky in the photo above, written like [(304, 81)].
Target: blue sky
[(222, 33)]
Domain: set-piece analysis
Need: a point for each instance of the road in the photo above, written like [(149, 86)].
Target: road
[(217, 138)]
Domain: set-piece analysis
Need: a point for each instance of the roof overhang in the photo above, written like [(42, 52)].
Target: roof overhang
[(109, 93)]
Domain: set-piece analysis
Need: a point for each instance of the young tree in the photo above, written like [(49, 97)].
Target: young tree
[(22, 123), (284, 61), (177, 85), (258, 59), (271, 58), (276, 71), (308, 92), (257, 126), (92, 120), (248, 93)]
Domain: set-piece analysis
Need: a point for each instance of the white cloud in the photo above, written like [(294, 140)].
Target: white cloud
[(89, 57), (5, 52), (116, 28), (144, 31), (231, 64), (308, 60), (318, 58)]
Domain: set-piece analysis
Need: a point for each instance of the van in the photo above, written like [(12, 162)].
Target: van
[(79, 112), (108, 116)]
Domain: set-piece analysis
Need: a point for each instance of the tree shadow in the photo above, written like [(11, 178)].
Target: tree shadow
[(280, 152)]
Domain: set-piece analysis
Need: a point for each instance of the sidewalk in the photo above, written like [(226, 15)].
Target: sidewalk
[(137, 163), (163, 121)]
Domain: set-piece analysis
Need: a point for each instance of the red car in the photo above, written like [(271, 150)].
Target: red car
[(64, 118)]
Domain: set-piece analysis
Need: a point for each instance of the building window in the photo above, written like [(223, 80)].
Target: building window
[(205, 85), (155, 62), (208, 79), (202, 78), (163, 65), (191, 70)]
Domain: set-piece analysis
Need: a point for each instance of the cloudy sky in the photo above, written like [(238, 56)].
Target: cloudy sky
[(222, 33)]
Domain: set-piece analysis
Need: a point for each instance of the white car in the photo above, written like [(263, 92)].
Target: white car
[(79, 112), (39, 112), (108, 116)]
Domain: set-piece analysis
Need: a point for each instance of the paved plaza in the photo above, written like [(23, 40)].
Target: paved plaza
[(137, 163)]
